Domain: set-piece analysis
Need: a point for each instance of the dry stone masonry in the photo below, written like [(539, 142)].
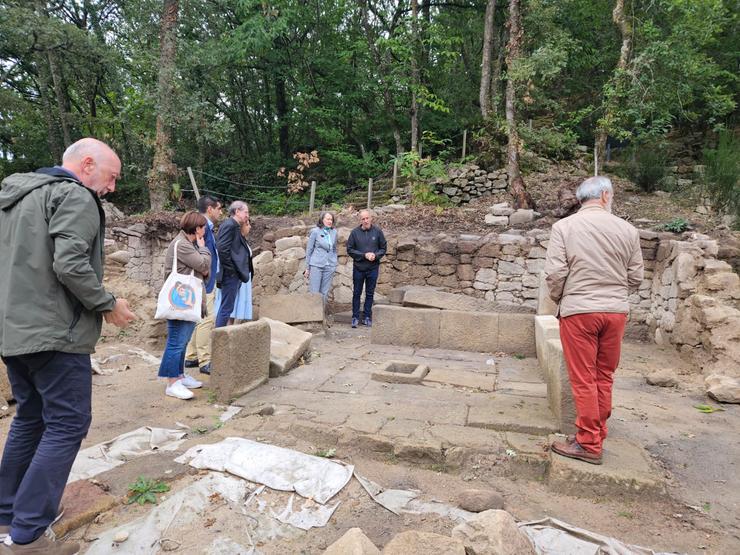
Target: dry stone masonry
[(466, 182)]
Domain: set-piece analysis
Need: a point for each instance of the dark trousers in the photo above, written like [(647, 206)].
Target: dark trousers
[(52, 391), (366, 279), (230, 284), (179, 333)]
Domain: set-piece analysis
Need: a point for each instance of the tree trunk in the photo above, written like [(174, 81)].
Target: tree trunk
[(517, 187), (415, 80), (499, 39), (60, 92), (281, 107), (164, 172), (382, 63), (485, 74), (625, 28)]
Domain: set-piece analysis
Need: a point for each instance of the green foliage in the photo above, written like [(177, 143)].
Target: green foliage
[(676, 225), (647, 165), (145, 490), (723, 174), (550, 142)]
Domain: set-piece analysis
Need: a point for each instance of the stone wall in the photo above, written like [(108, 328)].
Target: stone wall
[(469, 181)]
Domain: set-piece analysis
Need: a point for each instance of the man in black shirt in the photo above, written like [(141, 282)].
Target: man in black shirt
[(366, 245)]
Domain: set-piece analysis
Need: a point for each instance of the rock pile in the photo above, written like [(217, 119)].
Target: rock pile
[(503, 215), (469, 181)]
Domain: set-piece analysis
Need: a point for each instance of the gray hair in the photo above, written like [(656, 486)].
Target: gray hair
[(592, 188), (237, 205)]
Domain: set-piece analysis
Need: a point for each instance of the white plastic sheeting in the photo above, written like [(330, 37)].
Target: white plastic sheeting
[(110, 454), (278, 468), (551, 536)]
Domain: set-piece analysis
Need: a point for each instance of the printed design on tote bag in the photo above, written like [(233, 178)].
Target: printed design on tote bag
[(182, 296)]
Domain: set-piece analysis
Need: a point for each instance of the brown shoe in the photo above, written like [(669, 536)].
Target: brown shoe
[(5, 530), (575, 451), (45, 545)]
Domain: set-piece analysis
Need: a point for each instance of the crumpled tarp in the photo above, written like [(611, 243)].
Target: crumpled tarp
[(555, 537), (400, 501), (278, 468), (110, 454)]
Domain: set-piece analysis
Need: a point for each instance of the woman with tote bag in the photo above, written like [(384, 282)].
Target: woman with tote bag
[(187, 255)]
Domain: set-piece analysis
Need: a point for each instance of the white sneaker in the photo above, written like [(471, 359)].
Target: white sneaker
[(178, 390), (190, 382)]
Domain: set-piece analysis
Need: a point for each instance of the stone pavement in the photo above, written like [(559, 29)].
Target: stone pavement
[(469, 404)]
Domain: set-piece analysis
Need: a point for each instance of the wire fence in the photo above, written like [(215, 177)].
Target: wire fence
[(275, 198)]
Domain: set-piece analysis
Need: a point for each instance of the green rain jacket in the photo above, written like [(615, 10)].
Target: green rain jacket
[(51, 265)]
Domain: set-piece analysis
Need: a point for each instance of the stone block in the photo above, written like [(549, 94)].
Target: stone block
[(546, 327), (395, 325), (424, 297), (516, 333), (545, 305), (501, 221), (287, 346), (501, 209), (413, 542), (513, 413), (626, 472), (470, 331), (462, 378), (521, 216), (559, 392), (296, 308), (395, 371), (240, 359), (287, 243), (6, 394), (353, 542)]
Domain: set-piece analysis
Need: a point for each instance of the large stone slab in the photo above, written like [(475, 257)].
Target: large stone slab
[(425, 297), (395, 325), (513, 413), (469, 331), (240, 359), (462, 378), (516, 334), (546, 327), (559, 392), (627, 471), (287, 346), (296, 308), (83, 501)]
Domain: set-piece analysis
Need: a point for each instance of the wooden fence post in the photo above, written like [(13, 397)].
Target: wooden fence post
[(465, 143), (313, 198), (192, 182), (369, 193), (395, 173)]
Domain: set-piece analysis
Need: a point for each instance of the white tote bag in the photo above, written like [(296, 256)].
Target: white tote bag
[(181, 296)]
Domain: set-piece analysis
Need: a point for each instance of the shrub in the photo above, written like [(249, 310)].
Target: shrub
[(723, 173), (647, 164), (676, 225)]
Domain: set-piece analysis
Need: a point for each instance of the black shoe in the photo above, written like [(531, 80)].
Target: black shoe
[(191, 364), (206, 369)]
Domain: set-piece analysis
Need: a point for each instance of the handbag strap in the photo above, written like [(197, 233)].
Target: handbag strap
[(174, 261)]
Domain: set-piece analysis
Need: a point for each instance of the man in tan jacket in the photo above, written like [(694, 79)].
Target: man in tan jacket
[(593, 260)]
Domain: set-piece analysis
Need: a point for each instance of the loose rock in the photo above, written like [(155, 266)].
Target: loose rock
[(423, 543), (723, 388), (493, 533), (479, 500), (662, 378), (353, 542)]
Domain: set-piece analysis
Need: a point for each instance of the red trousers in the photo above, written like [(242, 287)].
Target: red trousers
[(592, 345)]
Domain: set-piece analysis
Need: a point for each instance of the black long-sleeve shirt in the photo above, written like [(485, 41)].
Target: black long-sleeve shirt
[(362, 241)]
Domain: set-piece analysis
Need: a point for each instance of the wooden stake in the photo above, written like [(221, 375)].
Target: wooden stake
[(313, 198), (465, 143), (369, 193), (192, 182)]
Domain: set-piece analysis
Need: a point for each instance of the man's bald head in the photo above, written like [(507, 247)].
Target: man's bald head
[(366, 219), (94, 163)]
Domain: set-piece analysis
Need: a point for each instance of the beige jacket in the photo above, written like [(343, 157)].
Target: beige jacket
[(189, 258), (593, 260)]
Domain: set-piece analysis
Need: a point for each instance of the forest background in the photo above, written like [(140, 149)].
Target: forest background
[(236, 88)]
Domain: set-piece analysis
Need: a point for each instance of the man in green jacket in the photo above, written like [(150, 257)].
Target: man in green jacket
[(52, 303)]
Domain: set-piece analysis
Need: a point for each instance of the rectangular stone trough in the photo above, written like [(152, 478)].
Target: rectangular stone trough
[(553, 366), (395, 371)]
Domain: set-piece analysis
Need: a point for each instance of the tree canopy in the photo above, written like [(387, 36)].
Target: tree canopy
[(254, 82)]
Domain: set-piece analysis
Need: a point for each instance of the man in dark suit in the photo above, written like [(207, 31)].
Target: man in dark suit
[(234, 258), (198, 353)]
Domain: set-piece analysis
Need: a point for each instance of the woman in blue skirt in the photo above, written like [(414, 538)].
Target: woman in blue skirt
[(243, 304)]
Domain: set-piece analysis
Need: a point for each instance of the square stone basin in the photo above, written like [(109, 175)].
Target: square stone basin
[(395, 371)]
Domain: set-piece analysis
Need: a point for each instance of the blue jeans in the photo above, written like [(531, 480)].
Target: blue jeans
[(52, 391), (230, 284), (173, 358), (368, 279)]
